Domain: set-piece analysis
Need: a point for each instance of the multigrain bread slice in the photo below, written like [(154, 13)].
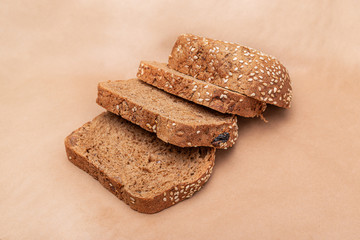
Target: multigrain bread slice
[(232, 66), (146, 173), (173, 119), (198, 91)]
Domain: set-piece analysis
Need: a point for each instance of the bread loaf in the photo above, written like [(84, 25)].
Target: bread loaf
[(138, 168), (198, 91), (234, 67), (173, 119)]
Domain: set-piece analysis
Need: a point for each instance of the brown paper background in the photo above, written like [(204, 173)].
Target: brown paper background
[(296, 177)]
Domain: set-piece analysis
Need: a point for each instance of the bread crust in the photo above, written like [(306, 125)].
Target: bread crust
[(168, 130), (198, 91), (168, 198), (229, 65)]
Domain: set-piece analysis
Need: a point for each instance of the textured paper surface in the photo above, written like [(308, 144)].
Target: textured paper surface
[(296, 177)]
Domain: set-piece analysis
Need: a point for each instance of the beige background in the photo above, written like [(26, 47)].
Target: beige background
[(296, 177)]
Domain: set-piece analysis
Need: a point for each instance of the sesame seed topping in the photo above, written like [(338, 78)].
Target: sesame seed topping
[(117, 107), (197, 132), (223, 96), (200, 99), (174, 124), (235, 58), (206, 86), (252, 95), (164, 199)]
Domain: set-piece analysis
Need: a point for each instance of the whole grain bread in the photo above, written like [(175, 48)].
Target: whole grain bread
[(146, 173), (173, 119), (234, 67), (198, 91)]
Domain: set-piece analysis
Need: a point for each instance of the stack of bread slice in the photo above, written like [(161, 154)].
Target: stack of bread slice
[(155, 145)]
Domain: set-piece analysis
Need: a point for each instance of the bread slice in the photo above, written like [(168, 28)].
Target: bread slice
[(198, 91), (232, 66), (173, 119), (138, 168)]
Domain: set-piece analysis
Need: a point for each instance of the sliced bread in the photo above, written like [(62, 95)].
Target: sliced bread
[(138, 168), (198, 91), (234, 67), (173, 119)]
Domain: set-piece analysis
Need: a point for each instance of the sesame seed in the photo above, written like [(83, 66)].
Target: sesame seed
[(200, 99), (235, 58), (250, 80), (197, 132), (206, 86), (70, 157), (132, 199), (164, 199), (223, 96), (207, 93), (252, 95), (174, 124), (189, 143), (196, 57), (235, 69), (207, 99), (240, 76), (117, 107)]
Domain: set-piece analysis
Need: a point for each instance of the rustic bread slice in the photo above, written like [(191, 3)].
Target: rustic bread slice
[(143, 171), (198, 91), (232, 66), (173, 119)]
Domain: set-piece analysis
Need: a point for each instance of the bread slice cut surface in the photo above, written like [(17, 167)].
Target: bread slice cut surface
[(173, 119), (143, 171), (233, 66), (198, 91)]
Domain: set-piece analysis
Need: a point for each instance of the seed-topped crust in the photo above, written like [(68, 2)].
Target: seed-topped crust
[(172, 119), (198, 91), (232, 66)]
